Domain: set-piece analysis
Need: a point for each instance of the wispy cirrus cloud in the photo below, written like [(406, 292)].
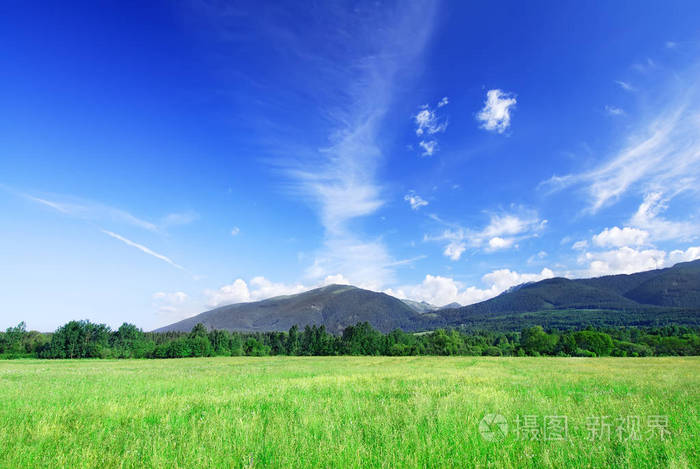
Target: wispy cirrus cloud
[(660, 160), (340, 180), (88, 210), (143, 249), (614, 111), (96, 214), (624, 85)]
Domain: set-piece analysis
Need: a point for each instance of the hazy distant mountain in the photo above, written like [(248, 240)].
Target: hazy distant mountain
[(656, 297), (335, 306), (420, 306)]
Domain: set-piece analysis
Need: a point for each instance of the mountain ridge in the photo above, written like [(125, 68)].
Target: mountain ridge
[(656, 297)]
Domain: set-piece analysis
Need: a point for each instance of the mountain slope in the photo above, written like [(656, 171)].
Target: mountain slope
[(335, 306), (654, 297)]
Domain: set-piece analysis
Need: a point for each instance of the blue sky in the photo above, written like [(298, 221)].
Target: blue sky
[(159, 160)]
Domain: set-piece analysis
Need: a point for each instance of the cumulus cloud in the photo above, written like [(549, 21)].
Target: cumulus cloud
[(443, 102), (439, 290), (260, 288), (618, 237), (495, 115), (415, 200), (454, 249), (235, 231), (625, 260), (497, 243), (689, 254), (503, 231), (337, 279), (241, 292)]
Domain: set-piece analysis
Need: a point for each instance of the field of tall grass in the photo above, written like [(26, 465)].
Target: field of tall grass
[(351, 412)]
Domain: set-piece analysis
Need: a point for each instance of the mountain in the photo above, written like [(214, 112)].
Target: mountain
[(655, 297), (652, 298), (420, 306), (334, 306)]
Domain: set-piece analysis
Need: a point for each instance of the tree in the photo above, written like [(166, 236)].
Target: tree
[(254, 348), (599, 343), (293, 340), (535, 341), (13, 340)]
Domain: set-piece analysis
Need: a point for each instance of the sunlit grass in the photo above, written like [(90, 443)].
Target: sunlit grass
[(339, 411)]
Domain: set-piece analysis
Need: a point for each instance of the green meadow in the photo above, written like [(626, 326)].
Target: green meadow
[(351, 412)]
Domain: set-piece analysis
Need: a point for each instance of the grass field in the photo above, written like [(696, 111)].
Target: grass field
[(349, 412)]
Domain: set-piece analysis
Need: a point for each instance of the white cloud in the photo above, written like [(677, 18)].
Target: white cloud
[(174, 305), (237, 292), (93, 211), (143, 248), (495, 116), (260, 288), (439, 290), (174, 298), (648, 216), (580, 245), (337, 279), (428, 122), (537, 257), (176, 219), (624, 260), (618, 237), (364, 263), (624, 85), (415, 200), (502, 232), (671, 45), (614, 111), (169, 303), (429, 147), (340, 181), (235, 231), (690, 254), (664, 155), (500, 243), (454, 250)]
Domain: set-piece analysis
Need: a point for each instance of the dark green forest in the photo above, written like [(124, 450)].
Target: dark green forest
[(83, 339)]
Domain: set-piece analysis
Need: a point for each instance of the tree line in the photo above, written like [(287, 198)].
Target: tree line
[(83, 339)]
